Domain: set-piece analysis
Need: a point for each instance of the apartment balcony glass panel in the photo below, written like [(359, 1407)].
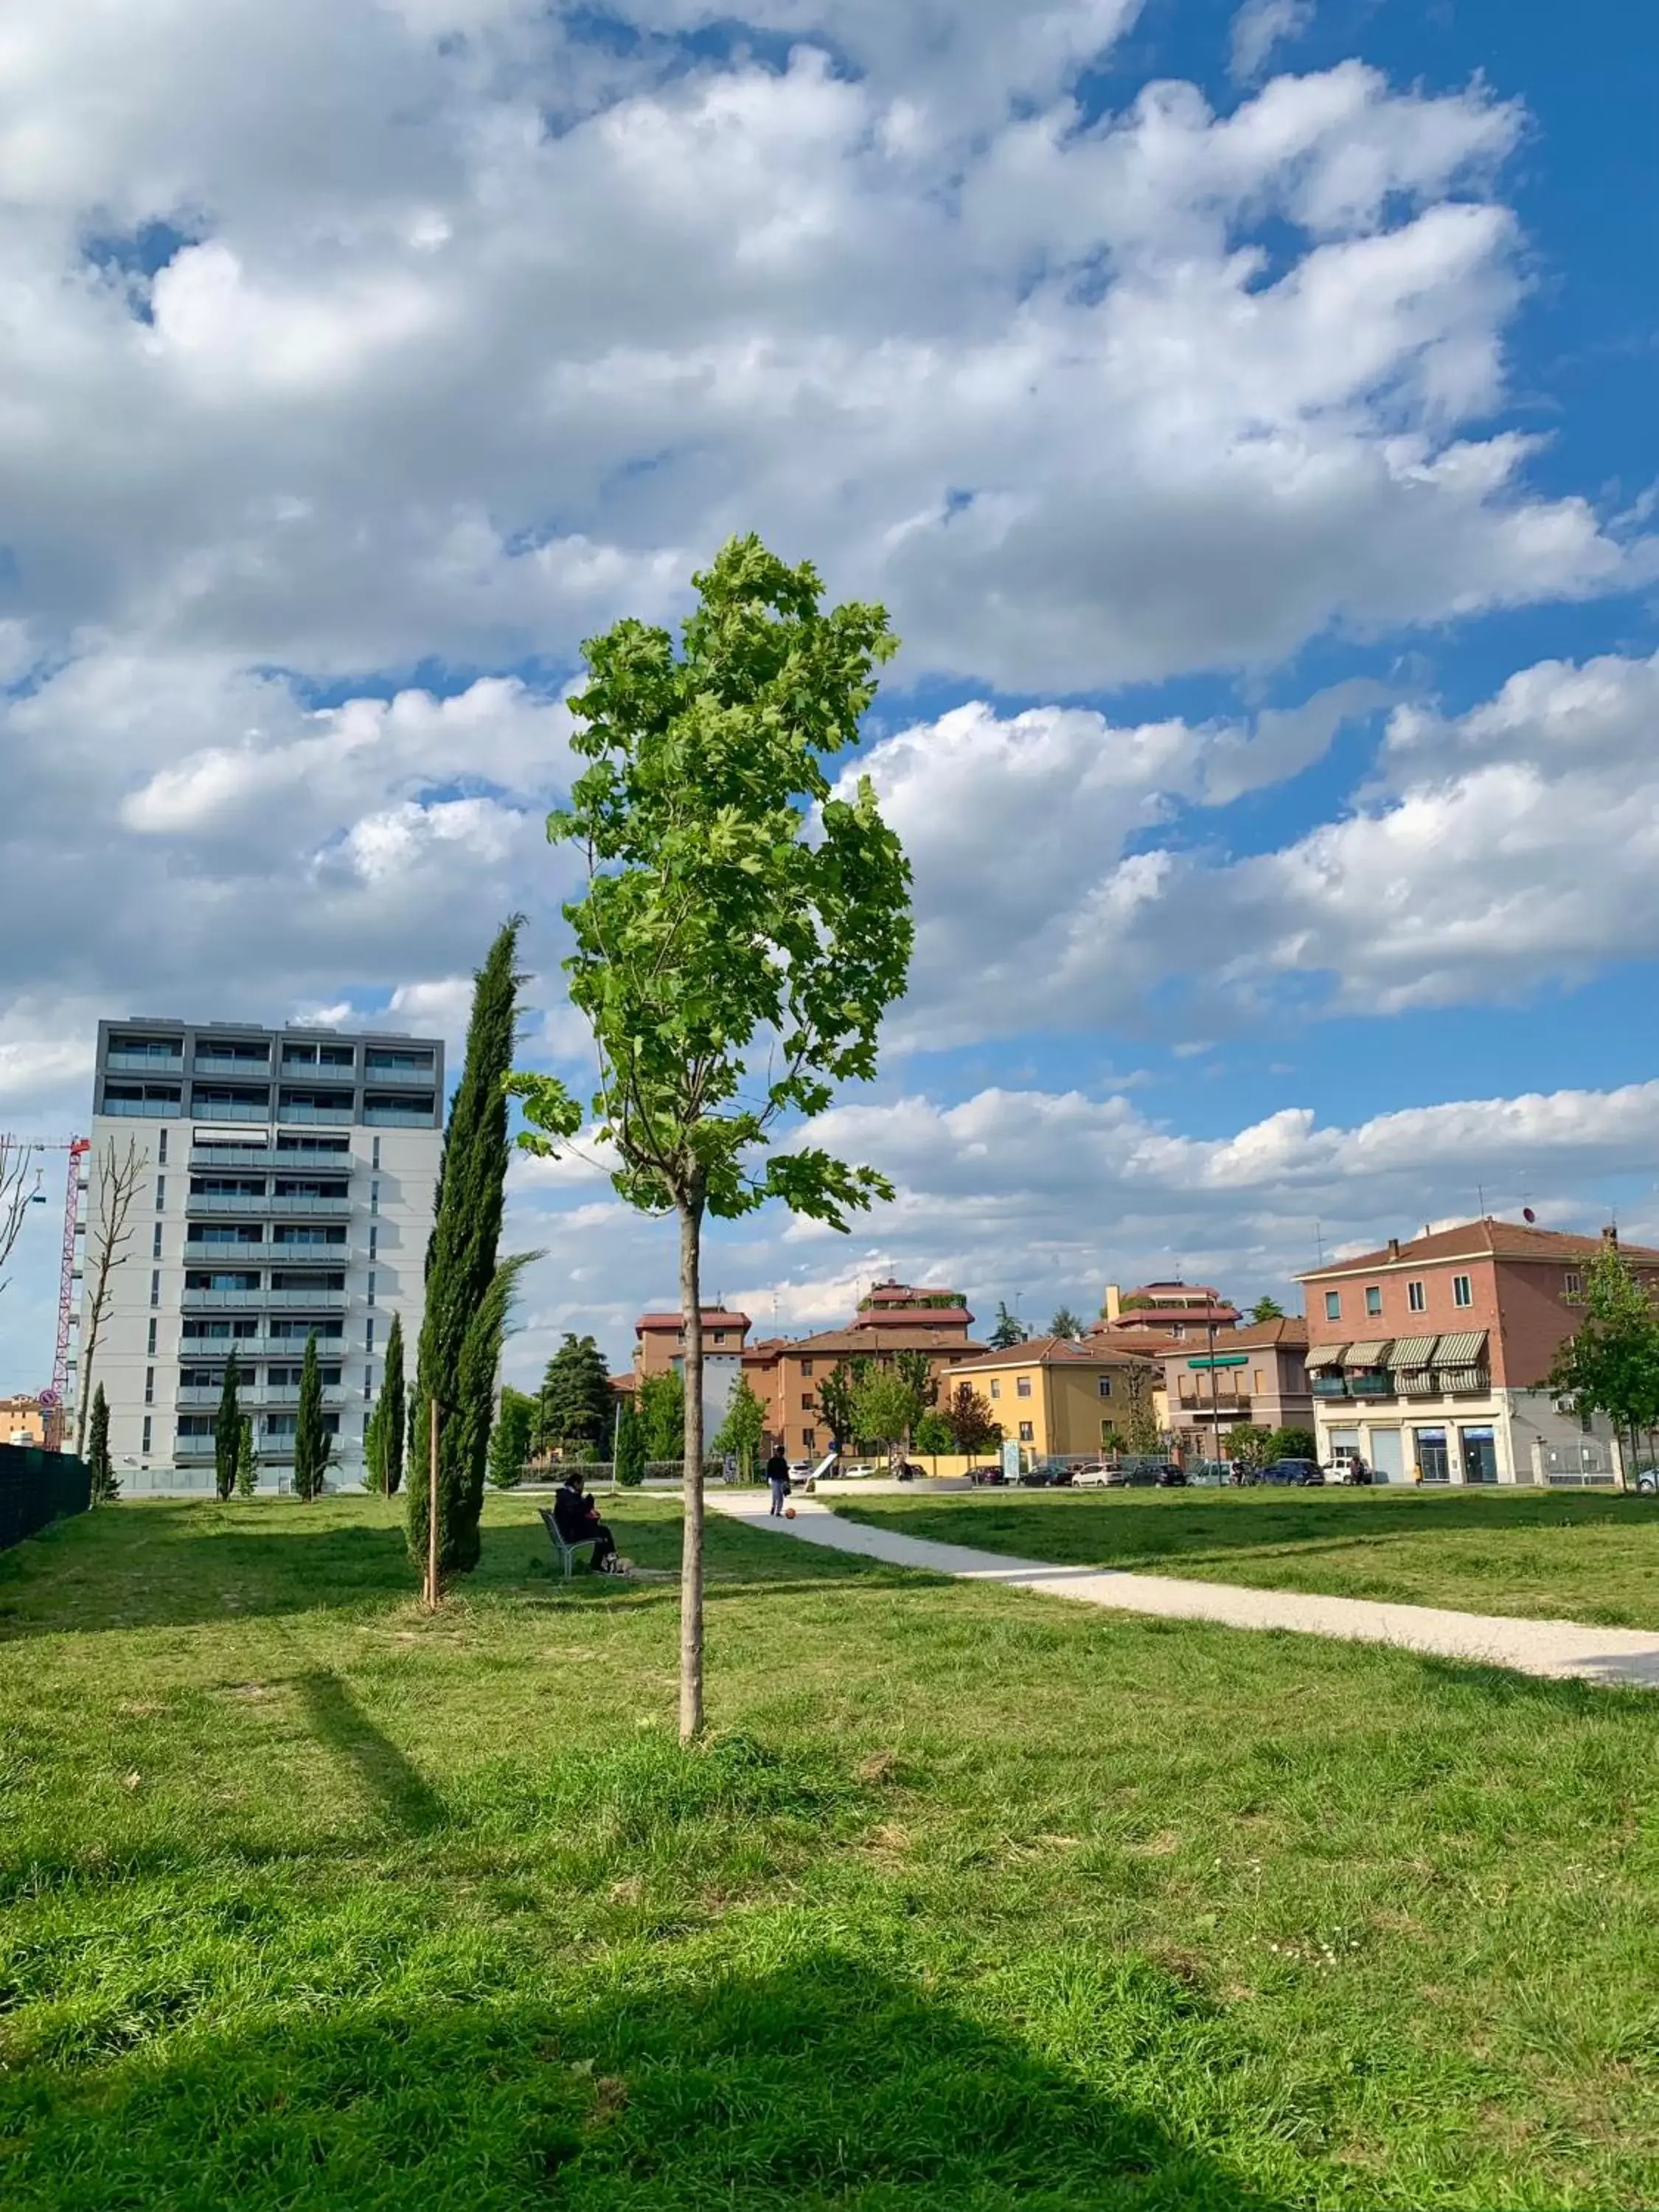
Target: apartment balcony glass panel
[(398, 1113), (306, 1058), (192, 1450), (313, 1202), (222, 1301), (293, 1301), (1328, 1383), (315, 1109), (146, 1063), (207, 1155), (384, 1069), (226, 1201), (1367, 1386), (251, 1066), (251, 1396), (148, 1100)]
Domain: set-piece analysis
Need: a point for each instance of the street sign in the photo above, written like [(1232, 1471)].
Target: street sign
[(1223, 1359)]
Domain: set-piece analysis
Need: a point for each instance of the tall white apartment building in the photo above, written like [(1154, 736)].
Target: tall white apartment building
[(286, 1184)]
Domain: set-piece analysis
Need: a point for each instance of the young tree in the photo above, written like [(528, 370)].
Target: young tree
[(835, 1394), (1267, 1309), (578, 1406), (109, 1231), (1248, 1444), (247, 1459), (1140, 1414), (1008, 1331), (740, 1432), (311, 1443), (630, 1446), (105, 1486), (1292, 1444), (742, 930), (969, 1419), (17, 1163), (932, 1435), (467, 1292), (1065, 1324), (509, 1441), (392, 1408), (887, 1409), (662, 1416), (227, 1433), (915, 1370), (1611, 1365)]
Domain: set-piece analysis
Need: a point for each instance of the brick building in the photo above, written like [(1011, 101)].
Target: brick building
[(1433, 1354), (1255, 1377)]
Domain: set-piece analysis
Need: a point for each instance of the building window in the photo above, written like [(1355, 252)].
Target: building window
[(806, 1367), (1025, 1432), (719, 1336), (1104, 1385), (144, 1447), (1571, 1284), (150, 1386), (155, 1286), (375, 1198), (374, 1157), (368, 1334), (368, 1384), (161, 1148), (155, 1242), (374, 1241), (370, 1286), (1463, 1293), (150, 1345), (1255, 1381), (806, 1405), (1414, 1297), (1023, 1386), (161, 1192), (1373, 1297), (1333, 1305), (996, 1386)]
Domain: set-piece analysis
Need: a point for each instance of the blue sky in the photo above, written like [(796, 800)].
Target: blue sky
[(1246, 413)]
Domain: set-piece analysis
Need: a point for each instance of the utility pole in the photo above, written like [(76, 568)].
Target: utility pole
[(432, 1508), (1215, 1411)]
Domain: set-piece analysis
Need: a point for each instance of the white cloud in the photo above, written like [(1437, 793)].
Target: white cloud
[(1261, 25)]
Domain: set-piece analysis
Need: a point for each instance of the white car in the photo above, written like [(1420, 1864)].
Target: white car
[(860, 1471), (1094, 1477)]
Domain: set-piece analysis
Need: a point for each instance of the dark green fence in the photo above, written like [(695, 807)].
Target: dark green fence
[(37, 1486)]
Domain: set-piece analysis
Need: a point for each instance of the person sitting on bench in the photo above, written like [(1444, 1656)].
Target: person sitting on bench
[(577, 1519)]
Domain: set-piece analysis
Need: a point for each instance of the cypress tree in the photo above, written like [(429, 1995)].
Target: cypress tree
[(630, 1446), (227, 1433), (103, 1484), (393, 1407), (309, 1441), (509, 1443), (466, 1293), (247, 1459)]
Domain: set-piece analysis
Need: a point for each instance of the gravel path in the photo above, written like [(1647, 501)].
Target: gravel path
[(1551, 1647)]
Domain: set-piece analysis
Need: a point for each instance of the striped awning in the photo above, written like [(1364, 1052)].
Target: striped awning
[(1412, 1352), (1466, 1351), (1327, 1355), (1366, 1355)]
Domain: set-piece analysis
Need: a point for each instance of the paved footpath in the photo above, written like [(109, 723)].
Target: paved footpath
[(1557, 1649)]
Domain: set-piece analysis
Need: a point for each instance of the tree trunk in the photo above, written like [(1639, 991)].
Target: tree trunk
[(690, 1213)]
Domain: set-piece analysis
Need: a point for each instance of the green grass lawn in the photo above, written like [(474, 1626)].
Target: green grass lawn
[(975, 1900), (1540, 1554)]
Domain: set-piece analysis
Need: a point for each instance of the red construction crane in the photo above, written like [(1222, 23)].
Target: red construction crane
[(51, 1398)]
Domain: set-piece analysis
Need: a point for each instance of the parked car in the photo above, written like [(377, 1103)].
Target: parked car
[(860, 1471), (1354, 1472), (1172, 1477), (1099, 1476), (988, 1477), (1303, 1473), (1647, 1481)]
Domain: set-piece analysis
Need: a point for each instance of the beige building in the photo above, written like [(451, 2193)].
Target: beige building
[(1251, 1377), (22, 1421), (1061, 1399)]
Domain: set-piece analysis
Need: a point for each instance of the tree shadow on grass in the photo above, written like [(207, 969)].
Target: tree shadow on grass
[(398, 1788), (821, 2080), (193, 1563)]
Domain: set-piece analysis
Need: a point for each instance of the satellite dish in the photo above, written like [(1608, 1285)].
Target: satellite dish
[(1526, 1214)]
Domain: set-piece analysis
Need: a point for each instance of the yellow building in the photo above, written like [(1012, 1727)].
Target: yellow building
[(1063, 1400)]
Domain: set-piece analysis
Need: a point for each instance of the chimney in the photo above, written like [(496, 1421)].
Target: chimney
[(1114, 1301), (1610, 1234), (1393, 1247)]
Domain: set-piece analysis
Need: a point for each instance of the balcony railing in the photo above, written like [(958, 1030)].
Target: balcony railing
[(205, 1157), (252, 1395), (276, 1301), (148, 1109), (228, 1110), (398, 1117), (146, 1063), (389, 1078), (336, 1115), (206, 1204)]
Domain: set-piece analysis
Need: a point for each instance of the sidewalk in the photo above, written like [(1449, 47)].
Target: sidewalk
[(1556, 1649)]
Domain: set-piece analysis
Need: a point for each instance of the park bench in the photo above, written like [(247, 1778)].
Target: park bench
[(566, 1550)]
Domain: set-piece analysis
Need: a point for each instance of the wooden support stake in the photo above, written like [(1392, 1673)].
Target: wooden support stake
[(431, 1509)]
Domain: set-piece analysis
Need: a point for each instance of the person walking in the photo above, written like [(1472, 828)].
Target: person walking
[(777, 1474)]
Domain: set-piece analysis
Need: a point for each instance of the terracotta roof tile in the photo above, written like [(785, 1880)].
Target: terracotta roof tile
[(1500, 1240)]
